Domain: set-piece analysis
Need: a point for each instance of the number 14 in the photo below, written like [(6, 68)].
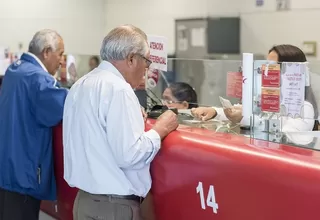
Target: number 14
[(211, 199)]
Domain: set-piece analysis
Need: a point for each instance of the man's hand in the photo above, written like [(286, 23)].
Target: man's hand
[(144, 114), (166, 123), (204, 113), (234, 114)]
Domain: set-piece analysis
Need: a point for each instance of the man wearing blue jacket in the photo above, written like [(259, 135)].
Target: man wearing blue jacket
[(30, 105)]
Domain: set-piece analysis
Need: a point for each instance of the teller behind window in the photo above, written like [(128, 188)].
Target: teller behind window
[(180, 95), (279, 53)]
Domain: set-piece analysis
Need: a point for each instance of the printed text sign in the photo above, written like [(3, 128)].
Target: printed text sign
[(234, 84), (158, 52), (271, 75), (293, 89), (270, 100)]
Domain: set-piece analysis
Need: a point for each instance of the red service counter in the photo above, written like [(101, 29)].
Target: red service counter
[(202, 174)]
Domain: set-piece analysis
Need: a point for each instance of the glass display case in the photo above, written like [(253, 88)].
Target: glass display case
[(196, 83)]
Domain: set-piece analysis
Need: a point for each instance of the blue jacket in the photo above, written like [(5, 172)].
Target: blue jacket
[(30, 105)]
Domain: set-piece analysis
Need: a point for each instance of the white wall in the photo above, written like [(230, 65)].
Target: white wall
[(80, 22), (83, 23), (158, 17), (261, 27)]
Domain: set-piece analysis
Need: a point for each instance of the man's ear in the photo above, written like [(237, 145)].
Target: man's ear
[(46, 52), (130, 59)]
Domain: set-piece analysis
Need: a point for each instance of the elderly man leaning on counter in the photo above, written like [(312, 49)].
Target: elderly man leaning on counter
[(107, 154), (279, 53), (31, 104)]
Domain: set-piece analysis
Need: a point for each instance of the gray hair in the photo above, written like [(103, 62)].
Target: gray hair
[(44, 39), (123, 41)]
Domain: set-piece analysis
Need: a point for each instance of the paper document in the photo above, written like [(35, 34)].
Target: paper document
[(293, 89), (198, 37), (225, 102)]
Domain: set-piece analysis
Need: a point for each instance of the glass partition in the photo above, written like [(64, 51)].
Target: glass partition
[(197, 83), (286, 100), (275, 118), (212, 79)]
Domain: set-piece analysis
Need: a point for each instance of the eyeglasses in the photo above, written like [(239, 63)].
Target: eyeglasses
[(149, 62), (169, 102)]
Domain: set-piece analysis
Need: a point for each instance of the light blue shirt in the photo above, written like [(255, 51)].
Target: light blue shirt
[(106, 150)]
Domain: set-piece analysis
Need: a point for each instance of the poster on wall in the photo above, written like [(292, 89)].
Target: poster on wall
[(182, 39), (293, 80), (198, 37)]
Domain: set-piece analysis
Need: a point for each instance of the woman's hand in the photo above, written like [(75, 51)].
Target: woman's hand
[(204, 113), (234, 114)]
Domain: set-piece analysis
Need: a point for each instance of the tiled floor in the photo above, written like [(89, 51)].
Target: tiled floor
[(44, 216)]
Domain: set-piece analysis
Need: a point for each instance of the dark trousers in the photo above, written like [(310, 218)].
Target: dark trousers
[(15, 206)]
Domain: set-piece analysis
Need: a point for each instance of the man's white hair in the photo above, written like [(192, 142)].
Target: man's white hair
[(44, 39), (123, 41)]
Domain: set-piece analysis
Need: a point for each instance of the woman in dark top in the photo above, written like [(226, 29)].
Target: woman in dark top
[(180, 95)]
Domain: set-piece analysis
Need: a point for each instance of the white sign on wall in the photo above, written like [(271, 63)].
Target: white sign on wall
[(158, 52), (182, 38), (198, 37)]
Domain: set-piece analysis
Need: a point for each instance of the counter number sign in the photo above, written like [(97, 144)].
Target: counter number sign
[(211, 199)]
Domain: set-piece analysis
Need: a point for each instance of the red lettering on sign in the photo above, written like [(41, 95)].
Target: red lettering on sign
[(159, 60), (272, 77), (270, 100), (156, 46), (234, 84)]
